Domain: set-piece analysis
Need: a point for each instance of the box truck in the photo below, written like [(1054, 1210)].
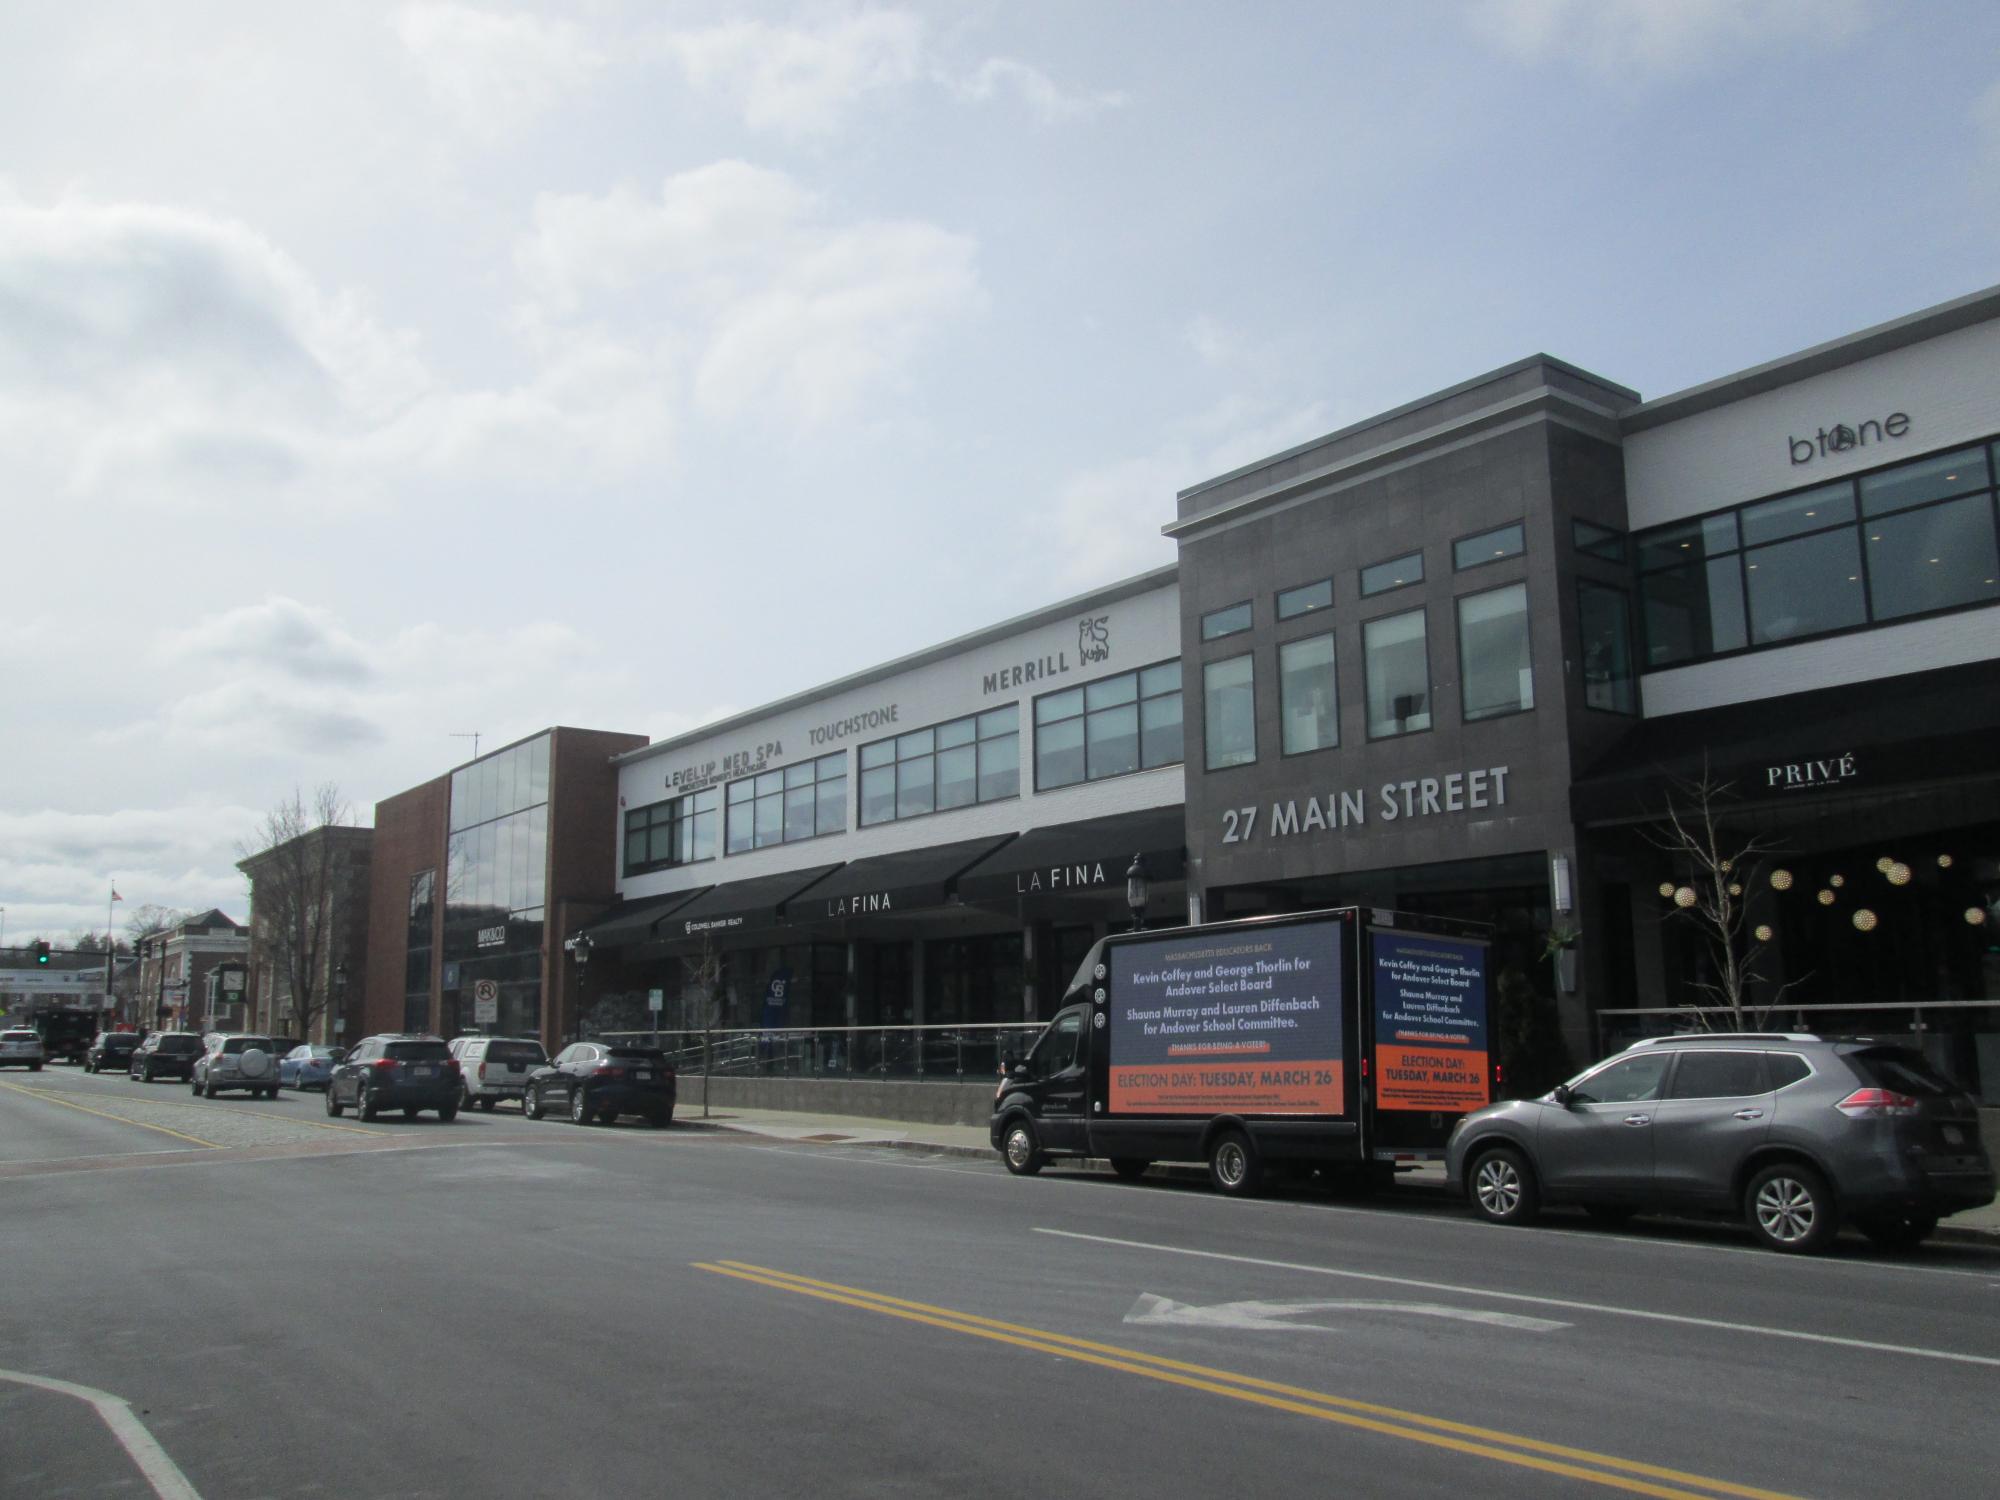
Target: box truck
[(1341, 1041)]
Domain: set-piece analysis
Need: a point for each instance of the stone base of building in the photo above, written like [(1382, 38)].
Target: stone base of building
[(868, 1099)]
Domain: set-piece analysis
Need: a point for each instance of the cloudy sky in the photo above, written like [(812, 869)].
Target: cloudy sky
[(371, 375)]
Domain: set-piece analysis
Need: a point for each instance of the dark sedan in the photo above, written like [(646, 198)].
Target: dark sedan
[(395, 1071), (112, 1052), (601, 1081), (166, 1054)]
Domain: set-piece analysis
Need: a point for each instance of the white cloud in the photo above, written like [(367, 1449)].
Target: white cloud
[(280, 635), (777, 303), (174, 856), (1048, 103), (493, 73), (794, 81), (1619, 38)]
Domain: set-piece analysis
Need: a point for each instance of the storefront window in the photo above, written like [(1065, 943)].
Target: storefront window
[(1902, 541), (1308, 702), (782, 807), (1495, 674), (678, 831), (1397, 666), (1130, 722), (957, 764), (1229, 700), (1606, 637)]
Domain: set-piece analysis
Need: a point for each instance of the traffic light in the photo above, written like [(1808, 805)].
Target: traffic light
[(42, 952)]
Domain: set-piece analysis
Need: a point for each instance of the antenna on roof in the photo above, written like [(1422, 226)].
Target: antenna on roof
[(472, 735)]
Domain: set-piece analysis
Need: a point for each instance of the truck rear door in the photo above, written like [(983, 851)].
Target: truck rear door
[(1429, 1061)]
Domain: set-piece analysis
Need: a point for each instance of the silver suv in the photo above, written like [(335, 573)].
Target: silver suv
[(249, 1063), (1797, 1133), (494, 1068), (21, 1048)]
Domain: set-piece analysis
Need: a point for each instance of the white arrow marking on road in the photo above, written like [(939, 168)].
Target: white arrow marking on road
[(1153, 1309)]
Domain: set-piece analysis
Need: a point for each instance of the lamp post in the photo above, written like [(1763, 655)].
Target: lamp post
[(339, 999), (1135, 892), (580, 947)]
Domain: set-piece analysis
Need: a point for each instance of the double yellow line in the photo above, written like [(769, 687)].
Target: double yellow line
[(1388, 1421)]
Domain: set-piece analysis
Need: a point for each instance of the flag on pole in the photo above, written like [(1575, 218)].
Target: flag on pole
[(114, 894)]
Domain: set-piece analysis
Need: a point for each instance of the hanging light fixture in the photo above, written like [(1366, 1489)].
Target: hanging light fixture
[(1735, 889), (1763, 932), (1836, 881), (1899, 874), (1825, 897), (1944, 861), (1684, 897), (1975, 916), (1864, 920), (1781, 880), (1882, 864), (1667, 890)]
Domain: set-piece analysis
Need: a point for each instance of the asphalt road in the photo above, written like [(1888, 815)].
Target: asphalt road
[(502, 1308)]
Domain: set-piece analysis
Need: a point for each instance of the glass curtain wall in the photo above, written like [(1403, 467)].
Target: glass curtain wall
[(495, 879)]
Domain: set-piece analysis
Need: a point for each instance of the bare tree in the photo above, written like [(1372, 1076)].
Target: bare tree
[(150, 921), (293, 900), (1718, 868), (703, 973)]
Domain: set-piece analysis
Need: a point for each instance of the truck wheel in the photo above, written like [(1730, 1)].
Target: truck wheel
[(1791, 1208), (1502, 1187), (1233, 1166), (1020, 1150), (1131, 1168)]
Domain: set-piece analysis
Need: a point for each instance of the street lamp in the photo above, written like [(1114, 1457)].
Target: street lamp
[(579, 947), (339, 999), (1135, 891)]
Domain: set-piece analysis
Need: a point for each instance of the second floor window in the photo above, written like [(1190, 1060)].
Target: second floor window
[(956, 764), (1130, 722), (783, 807), (678, 831)]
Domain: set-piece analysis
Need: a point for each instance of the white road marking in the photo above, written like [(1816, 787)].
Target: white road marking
[(1592, 1307), (151, 1460), (1154, 1309)]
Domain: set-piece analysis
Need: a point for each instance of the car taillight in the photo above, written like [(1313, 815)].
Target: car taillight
[(1865, 1104), (451, 1065), (482, 1072), (606, 1070), (385, 1062)]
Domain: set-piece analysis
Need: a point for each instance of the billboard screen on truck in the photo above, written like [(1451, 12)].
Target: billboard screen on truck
[(1229, 1022), (1430, 1023)]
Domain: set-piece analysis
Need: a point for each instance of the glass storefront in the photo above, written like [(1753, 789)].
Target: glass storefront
[(495, 874)]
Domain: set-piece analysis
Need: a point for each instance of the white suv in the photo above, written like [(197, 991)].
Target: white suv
[(21, 1048), (493, 1068), (236, 1062)]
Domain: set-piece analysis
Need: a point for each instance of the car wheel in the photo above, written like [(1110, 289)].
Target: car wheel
[(209, 1090), (1610, 1215), (1020, 1148), (1897, 1231), (409, 1113), (1233, 1166), (447, 1113), (464, 1097), (1790, 1208), (531, 1103), (365, 1107), (1502, 1187), (579, 1107), (333, 1105), (1131, 1168)]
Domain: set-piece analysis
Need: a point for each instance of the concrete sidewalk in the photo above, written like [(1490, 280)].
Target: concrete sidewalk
[(1980, 1226)]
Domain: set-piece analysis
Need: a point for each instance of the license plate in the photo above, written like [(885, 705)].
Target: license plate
[(644, 1075), (1953, 1136), (421, 1070)]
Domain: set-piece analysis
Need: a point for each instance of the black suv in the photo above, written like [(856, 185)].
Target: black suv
[(111, 1050), (396, 1070), (166, 1054), (1796, 1133), (601, 1081)]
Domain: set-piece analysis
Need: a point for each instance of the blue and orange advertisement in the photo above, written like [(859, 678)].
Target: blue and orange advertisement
[(1430, 1023), (1229, 1023)]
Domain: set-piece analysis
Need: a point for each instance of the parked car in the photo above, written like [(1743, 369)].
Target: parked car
[(601, 1081), (307, 1066), (21, 1048), (249, 1063), (112, 1050), (284, 1044), (165, 1054), (495, 1068), (1797, 1133), (396, 1070)]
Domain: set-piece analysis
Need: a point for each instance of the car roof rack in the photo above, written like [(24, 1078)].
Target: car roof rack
[(1728, 1036)]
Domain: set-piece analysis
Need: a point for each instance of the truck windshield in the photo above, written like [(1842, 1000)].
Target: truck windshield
[(1057, 1048)]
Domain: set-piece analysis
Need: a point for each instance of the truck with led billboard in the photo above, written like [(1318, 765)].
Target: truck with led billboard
[(1339, 1041)]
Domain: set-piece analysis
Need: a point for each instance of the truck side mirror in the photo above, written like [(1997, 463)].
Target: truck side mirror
[(1561, 1094)]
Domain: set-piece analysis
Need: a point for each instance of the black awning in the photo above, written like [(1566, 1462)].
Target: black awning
[(1856, 739), (632, 922), (882, 883), (738, 906), (1091, 855)]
